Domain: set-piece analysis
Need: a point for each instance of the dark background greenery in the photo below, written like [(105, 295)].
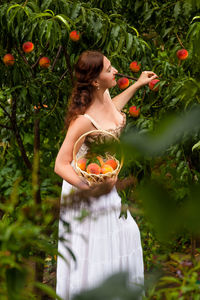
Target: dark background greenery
[(160, 164)]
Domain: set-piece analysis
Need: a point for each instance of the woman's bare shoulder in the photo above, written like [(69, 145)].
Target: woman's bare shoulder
[(81, 123)]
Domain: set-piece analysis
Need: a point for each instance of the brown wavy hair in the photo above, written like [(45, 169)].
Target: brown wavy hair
[(87, 69)]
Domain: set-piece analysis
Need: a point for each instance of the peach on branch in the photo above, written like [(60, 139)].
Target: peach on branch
[(9, 59), (123, 83), (44, 62), (93, 168), (152, 84), (28, 47), (135, 67), (182, 54), (38, 106), (74, 35), (134, 111)]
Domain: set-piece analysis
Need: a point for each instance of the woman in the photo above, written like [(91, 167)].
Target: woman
[(106, 244)]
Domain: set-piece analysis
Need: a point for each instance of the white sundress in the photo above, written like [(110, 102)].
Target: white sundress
[(102, 243)]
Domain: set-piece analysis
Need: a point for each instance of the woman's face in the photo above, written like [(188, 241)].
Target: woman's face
[(106, 78)]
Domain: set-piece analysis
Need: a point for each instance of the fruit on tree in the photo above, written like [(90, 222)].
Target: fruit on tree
[(152, 83), (112, 163), (9, 59), (182, 54), (44, 62), (74, 35), (28, 47), (123, 83), (81, 163), (38, 106), (106, 169), (134, 111), (93, 168), (134, 66)]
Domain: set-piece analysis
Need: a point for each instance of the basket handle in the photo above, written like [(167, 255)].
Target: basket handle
[(95, 131)]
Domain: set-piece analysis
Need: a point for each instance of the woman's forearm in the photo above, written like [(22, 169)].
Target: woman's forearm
[(68, 174), (121, 100)]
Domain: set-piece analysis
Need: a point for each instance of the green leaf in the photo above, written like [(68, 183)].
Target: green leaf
[(47, 290), (177, 10), (64, 19), (13, 6), (15, 281), (41, 15), (129, 41), (45, 4), (196, 146), (134, 29)]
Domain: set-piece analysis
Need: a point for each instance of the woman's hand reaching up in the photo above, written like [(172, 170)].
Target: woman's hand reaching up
[(145, 78)]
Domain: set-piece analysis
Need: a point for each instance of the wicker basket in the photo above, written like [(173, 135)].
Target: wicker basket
[(94, 178)]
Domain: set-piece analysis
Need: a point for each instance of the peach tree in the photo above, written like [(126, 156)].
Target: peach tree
[(39, 43)]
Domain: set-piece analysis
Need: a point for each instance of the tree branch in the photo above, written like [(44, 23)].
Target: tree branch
[(4, 126), (56, 58), (67, 58), (17, 135), (37, 61), (127, 76), (7, 114), (180, 42), (24, 58)]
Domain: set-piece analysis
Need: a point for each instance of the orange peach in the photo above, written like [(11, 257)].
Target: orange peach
[(81, 163), (28, 47), (123, 83), (134, 112), (9, 59), (38, 107), (152, 83), (112, 163), (106, 169), (134, 66), (182, 54), (44, 62), (74, 35), (93, 168)]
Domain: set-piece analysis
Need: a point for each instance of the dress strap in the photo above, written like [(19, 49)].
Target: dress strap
[(93, 121)]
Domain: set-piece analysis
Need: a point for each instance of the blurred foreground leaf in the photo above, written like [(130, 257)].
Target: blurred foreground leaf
[(115, 287)]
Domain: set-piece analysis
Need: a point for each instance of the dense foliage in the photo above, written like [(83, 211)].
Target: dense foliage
[(161, 149)]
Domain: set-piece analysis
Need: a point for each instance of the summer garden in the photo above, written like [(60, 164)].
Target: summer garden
[(40, 41)]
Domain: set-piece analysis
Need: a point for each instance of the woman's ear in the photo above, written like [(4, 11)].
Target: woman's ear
[(95, 83)]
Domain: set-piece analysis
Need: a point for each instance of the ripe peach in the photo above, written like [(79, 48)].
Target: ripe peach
[(9, 59), (74, 35), (82, 163), (93, 168), (135, 67), (123, 83), (106, 169), (182, 54), (44, 62), (28, 47), (38, 107), (152, 83), (134, 112), (112, 163), (100, 159)]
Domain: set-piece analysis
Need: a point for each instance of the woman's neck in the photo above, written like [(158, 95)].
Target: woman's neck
[(99, 97)]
